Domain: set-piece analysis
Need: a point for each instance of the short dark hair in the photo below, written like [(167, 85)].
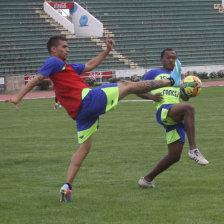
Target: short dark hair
[(53, 41), (164, 51)]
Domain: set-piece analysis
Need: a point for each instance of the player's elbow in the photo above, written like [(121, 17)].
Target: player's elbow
[(38, 79)]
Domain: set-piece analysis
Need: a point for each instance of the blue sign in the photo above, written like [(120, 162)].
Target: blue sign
[(83, 20)]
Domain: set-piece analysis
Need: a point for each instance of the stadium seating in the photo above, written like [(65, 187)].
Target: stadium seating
[(23, 40), (140, 28)]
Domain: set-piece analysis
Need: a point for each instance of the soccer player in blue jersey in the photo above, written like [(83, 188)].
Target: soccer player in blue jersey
[(81, 103), (176, 118)]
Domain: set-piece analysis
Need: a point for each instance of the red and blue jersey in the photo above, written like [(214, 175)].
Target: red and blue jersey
[(67, 82)]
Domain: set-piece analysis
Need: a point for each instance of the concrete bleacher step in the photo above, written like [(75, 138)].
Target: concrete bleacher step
[(63, 31), (114, 53)]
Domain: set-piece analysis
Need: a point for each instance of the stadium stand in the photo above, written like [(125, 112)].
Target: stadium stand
[(140, 28), (25, 29)]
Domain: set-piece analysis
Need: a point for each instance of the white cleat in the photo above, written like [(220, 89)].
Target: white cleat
[(146, 184), (197, 157)]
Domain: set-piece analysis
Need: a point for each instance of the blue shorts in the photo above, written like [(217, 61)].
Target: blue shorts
[(174, 131), (94, 103)]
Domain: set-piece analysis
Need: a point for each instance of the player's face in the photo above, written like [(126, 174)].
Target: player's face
[(168, 60), (61, 51)]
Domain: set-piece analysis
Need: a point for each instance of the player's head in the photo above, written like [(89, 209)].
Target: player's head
[(58, 47), (168, 57)]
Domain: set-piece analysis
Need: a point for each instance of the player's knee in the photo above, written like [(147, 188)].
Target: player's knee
[(189, 108), (127, 85), (175, 157)]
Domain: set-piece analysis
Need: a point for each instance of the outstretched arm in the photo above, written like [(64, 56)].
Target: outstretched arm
[(29, 86), (90, 65), (158, 97)]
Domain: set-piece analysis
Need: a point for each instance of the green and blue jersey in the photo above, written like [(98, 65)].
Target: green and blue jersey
[(171, 95)]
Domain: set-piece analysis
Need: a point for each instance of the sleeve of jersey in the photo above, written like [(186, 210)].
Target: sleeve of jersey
[(51, 66), (149, 76), (78, 68)]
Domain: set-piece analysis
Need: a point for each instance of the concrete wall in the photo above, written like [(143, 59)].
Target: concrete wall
[(13, 83), (141, 72)]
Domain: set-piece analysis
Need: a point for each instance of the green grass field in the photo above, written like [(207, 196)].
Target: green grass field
[(38, 142)]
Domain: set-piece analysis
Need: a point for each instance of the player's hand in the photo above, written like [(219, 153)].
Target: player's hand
[(183, 96), (13, 100), (110, 43), (158, 97)]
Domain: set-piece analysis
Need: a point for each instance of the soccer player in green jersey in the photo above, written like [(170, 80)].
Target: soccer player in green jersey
[(177, 118)]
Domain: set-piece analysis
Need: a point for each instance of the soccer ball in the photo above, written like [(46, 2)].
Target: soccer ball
[(191, 86)]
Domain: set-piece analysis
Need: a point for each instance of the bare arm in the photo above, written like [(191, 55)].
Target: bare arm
[(29, 86), (90, 65), (158, 97)]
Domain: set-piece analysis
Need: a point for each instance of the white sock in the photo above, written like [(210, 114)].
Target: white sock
[(192, 150)]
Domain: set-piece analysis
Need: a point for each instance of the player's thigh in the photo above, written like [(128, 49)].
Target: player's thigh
[(176, 147), (176, 112), (99, 101)]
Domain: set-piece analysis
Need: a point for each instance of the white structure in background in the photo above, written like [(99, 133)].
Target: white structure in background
[(223, 3), (58, 17), (80, 22), (86, 25)]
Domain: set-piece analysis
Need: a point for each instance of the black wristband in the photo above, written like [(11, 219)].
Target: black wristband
[(172, 81)]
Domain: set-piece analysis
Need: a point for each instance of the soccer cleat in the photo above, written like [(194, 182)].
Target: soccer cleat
[(146, 184), (176, 74), (66, 193), (56, 107), (59, 106), (197, 157)]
